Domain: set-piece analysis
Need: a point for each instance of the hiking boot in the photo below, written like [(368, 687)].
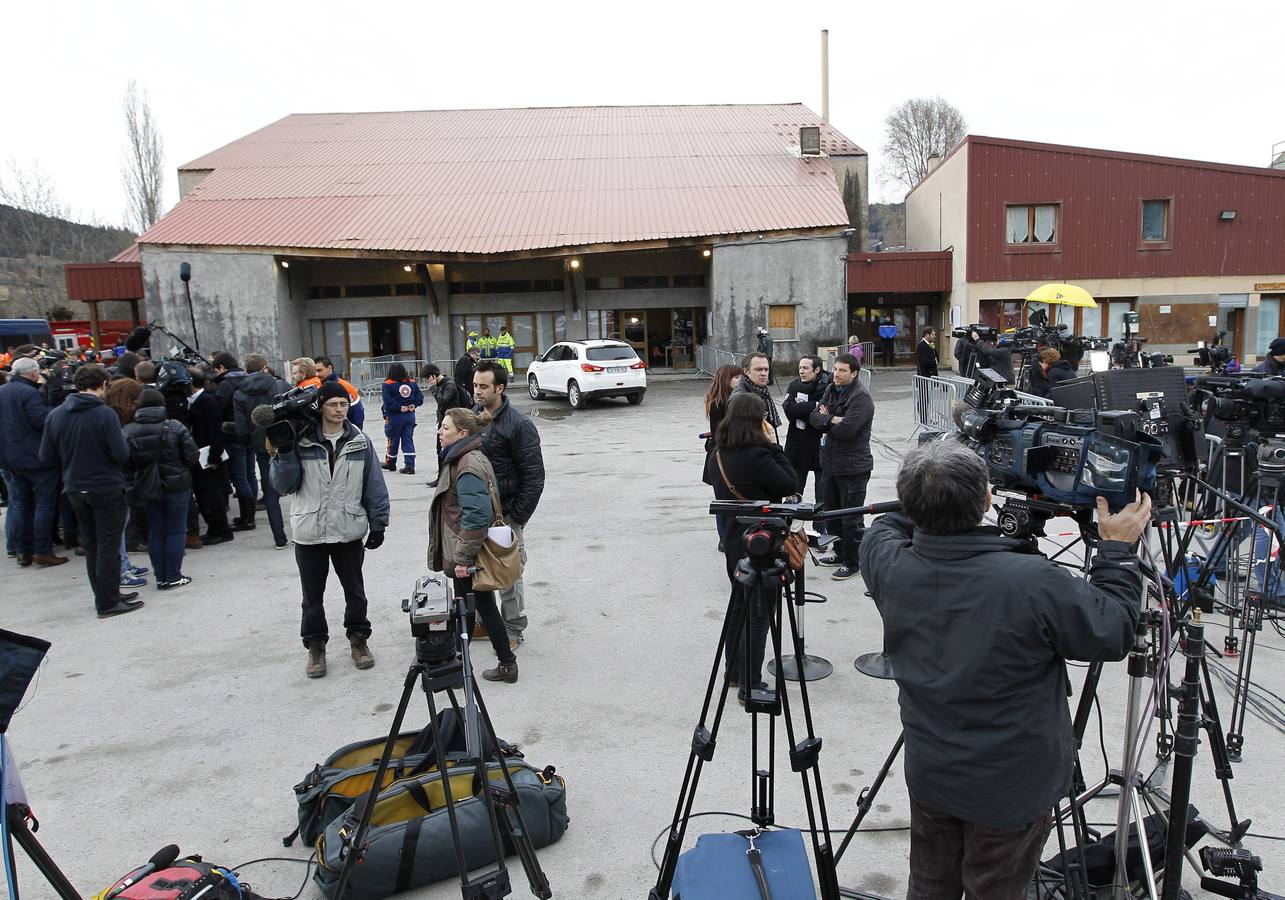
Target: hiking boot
[(503, 672), (317, 659), (48, 559), (361, 655), (388, 465), (409, 470), (194, 541)]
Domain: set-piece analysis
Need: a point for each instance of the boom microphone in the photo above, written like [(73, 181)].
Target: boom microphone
[(161, 859), (138, 339)]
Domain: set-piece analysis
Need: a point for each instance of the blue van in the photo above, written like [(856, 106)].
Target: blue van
[(16, 332)]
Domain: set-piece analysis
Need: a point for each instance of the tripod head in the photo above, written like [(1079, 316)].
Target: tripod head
[(437, 621)]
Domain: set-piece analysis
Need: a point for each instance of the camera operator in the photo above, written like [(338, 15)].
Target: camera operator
[(1274, 363), (259, 387), (1068, 366), (978, 627), (339, 493), (748, 465), (1039, 373)]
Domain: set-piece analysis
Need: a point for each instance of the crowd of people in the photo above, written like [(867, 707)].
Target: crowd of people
[(104, 461)]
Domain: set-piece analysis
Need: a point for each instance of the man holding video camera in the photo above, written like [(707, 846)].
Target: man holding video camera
[(978, 627), (339, 495)]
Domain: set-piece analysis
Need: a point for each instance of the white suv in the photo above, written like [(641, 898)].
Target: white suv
[(586, 370)]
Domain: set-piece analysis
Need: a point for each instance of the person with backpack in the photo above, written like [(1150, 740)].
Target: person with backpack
[(401, 396), (161, 456), (259, 388), (448, 393)]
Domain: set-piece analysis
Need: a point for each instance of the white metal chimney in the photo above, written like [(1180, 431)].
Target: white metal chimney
[(825, 74)]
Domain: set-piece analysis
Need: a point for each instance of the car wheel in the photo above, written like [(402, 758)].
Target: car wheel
[(533, 388), (576, 397), (635, 399)]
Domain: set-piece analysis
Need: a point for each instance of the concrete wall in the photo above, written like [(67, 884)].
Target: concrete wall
[(852, 174), (748, 277), (937, 218), (240, 303)]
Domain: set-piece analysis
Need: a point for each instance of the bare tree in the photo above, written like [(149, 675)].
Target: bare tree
[(919, 129), (32, 190), (144, 160)]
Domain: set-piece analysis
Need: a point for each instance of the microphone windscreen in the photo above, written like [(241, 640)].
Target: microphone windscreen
[(164, 857), (137, 339), (262, 415)]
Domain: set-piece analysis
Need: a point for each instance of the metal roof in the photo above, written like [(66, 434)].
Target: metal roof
[(899, 272), (510, 180), (91, 282)]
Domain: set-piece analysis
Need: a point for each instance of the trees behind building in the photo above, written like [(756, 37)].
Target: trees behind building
[(143, 169), (918, 130)]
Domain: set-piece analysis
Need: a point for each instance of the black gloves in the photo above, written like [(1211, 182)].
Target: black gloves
[(374, 540)]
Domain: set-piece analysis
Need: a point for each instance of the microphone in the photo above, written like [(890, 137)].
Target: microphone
[(138, 339), (161, 859), (262, 415)]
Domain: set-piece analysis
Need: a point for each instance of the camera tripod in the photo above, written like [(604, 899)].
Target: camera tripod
[(759, 578), (438, 671)]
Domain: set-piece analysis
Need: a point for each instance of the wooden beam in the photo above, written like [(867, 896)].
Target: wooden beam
[(94, 331), (422, 269), (133, 313)]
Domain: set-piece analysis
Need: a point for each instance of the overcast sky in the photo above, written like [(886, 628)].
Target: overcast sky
[(1184, 79)]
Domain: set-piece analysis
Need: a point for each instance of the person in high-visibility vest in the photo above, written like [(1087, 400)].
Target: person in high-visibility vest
[(487, 344), (471, 343), (504, 345)]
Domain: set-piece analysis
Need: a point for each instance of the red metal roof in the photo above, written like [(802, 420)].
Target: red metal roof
[(129, 254), (899, 272), (508, 180), (90, 282)]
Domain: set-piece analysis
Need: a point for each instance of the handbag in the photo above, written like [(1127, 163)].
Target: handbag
[(498, 566), (796, 543)]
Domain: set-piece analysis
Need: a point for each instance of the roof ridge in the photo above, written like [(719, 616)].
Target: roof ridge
[(384, 112)]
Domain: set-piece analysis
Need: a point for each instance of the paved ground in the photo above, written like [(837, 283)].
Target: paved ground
[(190, 721)]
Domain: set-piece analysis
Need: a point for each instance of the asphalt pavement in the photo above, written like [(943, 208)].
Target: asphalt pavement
[(190, 721)]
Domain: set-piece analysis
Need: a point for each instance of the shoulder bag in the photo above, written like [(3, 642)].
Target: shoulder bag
[(498, 566), (796, 544)]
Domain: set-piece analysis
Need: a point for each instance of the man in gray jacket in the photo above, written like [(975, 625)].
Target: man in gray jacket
[(978, 627), (339, 496)]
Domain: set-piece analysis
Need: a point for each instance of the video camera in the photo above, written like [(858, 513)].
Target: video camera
[(289, 416), (1254, 400), (1062, 457), (1216, 355), (434, 619), (984, 333)]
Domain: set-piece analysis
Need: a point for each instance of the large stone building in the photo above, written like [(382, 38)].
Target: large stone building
[(1193, 247), (372, 234)]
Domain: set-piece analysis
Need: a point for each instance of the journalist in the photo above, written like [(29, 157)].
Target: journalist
[(748, 465), (339, 496), (258, 388), (802, 438), (1274, 362), (756, 375), (978, 627), (845, 416)]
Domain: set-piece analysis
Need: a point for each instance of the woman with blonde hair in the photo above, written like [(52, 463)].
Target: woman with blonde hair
[(464, 506)]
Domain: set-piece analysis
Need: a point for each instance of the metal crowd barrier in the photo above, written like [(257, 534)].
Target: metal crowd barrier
[(935, 400), (369, 373), (708, 359)]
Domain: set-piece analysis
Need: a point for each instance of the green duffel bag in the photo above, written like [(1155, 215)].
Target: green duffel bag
[(333, 786), (409, 843)]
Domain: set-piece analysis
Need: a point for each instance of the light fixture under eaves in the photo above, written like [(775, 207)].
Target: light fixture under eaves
[(575, 264), (706, 253), (409, 268), (285, 263), (1227, 215)]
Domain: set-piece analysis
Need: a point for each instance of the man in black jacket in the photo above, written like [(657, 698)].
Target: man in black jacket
[(209, 481), (802, 438), (83, 436), (978, 627), (464, 368), (228, 375), (512, 444), (844, 415), (33, 504), (448, 396), (926, 354), (259, 388)]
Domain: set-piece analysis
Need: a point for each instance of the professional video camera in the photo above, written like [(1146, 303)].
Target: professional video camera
[(1251, 399), (1154, 359), (1216, 355), (984, 332), (1060, 459), (289, 416)]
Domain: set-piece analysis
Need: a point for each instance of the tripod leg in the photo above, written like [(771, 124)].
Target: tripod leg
[(1218, 750), (867, 798), (17, 830), (515, 826), (460, 863)]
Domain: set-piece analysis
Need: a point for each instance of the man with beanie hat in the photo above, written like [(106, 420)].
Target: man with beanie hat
[(1274, 364), (339, 500), (34, 501)]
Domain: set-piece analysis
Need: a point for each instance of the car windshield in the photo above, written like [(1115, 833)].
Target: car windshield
[(600, 354)]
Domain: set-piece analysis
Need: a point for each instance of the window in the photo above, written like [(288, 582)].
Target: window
[(602, 283), (506, 287), (547, 284), (602, 324), (1031, 224), (410, 288), (368, 290), (1155, 220), (1269, 319), (646, 281), (323, 292), (689, 281), (1000, 314), (780, 321), (607, 354), (358, 336), (466, 287)]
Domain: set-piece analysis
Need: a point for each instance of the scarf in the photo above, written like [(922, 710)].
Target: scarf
[(773, 417)]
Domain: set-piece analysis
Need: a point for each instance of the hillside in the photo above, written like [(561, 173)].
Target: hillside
[(33, 249)]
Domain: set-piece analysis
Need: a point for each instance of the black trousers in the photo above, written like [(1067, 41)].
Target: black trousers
[(485, 606), (100, 520), (314, 561), (841, 492), (889, 348), (755, 630), (950, 857), (211, 489)]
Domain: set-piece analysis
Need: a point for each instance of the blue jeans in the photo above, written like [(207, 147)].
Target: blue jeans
[(271, 499), (241, 471), (33, 503), (167, 535), (10, 521)]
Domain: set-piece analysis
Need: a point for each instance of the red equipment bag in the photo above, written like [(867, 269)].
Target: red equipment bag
[(186, 879)]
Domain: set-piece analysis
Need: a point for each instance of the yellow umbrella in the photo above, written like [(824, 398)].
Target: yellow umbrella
[(1065, 294)]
